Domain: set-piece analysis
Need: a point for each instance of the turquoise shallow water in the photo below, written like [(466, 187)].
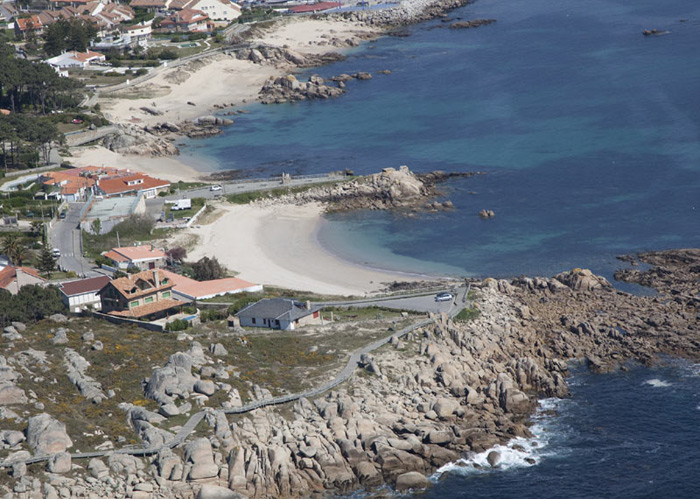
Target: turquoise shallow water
[(587, 130)]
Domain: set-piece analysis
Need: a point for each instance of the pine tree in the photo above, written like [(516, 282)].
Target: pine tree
[(47, 263)]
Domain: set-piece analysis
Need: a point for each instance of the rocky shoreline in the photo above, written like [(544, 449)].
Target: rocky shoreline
[(159, 140), (430, 397), (398, 190)]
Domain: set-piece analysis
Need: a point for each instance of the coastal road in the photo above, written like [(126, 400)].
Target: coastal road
[(65, 235), (415, 302), (228, 188)]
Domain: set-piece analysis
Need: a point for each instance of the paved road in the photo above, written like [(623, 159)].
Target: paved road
[(233, 187), (65, 235), (416, 302)]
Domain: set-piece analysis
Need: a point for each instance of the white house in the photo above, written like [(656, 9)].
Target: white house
[(81, 294), (279, 313), (75, 59), (217, 10), (140, 33)]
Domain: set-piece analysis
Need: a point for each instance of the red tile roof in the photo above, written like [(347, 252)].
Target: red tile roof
[(129, 288), (26, 23), (9, 274), (83, 286), (151, 308), (204, 289), (121, 184), (131, 253)]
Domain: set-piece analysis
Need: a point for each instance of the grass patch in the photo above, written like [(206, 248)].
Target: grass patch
[(136, 228), (467, 314), (197, 204)]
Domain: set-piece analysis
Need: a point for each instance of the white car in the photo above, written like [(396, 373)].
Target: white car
[(444, 297), (216, 187), (56, 253)]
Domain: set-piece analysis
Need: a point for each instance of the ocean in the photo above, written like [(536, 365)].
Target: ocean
[(588, 134), (620, 435)]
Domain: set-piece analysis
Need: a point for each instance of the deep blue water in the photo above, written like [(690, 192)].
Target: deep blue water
[(633, 434), (589, 133)]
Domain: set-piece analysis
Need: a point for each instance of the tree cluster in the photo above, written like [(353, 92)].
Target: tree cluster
[(68, 34), (207, 269), (32, 303), (27, 87)]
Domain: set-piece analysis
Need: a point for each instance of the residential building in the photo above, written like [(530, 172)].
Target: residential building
[(8, 12), (138, 34), (279, 313), (147, 294), (186, 21), (25, 25), (188, 289), (151, 5), (136, 257), (83, 293), (76, 59), (76, 183), (128, 182), (13, 278), (217, 10)]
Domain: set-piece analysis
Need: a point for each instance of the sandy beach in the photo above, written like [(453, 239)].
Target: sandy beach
[(202, 87), (194, 89), (277, 245), (165, 167)]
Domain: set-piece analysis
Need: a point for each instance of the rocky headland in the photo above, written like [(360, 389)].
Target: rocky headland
[(392, 189), (429, 397)]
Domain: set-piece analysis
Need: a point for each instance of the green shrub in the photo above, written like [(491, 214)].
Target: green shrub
[(177, 325)]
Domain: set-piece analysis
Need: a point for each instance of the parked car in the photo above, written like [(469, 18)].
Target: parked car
[(444, 297), (56, 253), (62, 215), (76, 121), (216, 187)]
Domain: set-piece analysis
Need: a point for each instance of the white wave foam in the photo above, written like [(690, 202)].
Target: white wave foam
[(517, 453), (657, 383)]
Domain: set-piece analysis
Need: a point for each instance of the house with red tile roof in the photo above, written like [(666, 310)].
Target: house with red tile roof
[(146, 294), (76, 183), (186, 21), (127, 182), (83, 293), (24, 25), (188, 289), (140, 257), (13, 278), (75, 59)]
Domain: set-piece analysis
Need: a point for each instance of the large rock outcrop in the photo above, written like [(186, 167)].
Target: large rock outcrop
[(46, 435)]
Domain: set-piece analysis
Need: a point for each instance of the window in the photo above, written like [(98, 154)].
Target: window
[(134, 304), (253, 320), (166, 294), (149, 299)]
